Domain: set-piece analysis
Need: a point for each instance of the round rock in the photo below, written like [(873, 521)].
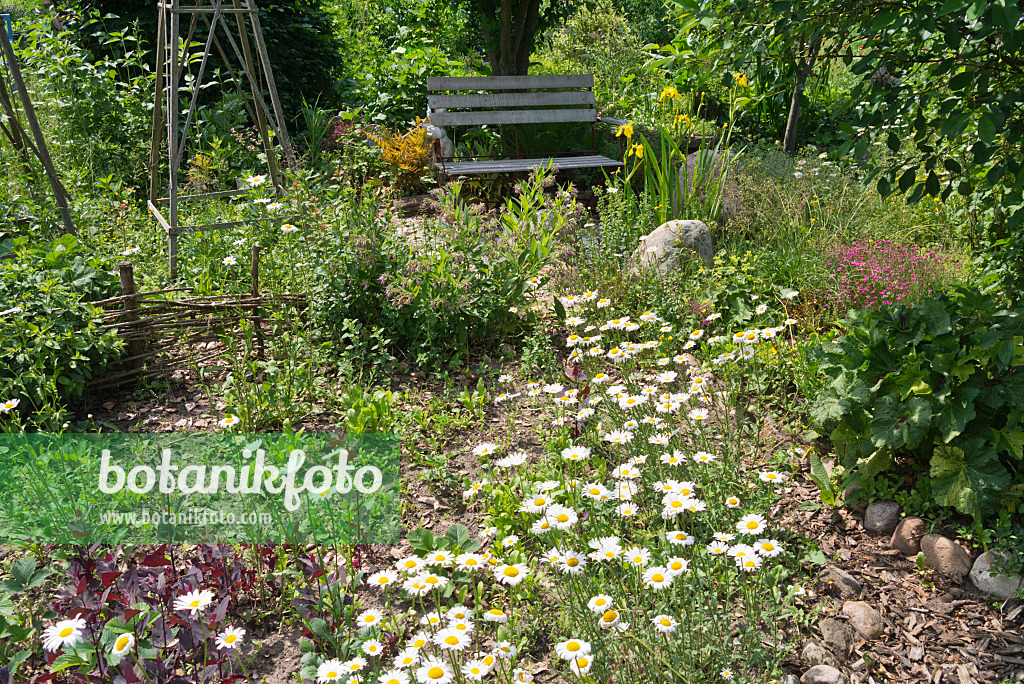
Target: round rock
[(864, 619), (906, 538), (1001, 586), (881, 517), (946, 556), (823, 674)]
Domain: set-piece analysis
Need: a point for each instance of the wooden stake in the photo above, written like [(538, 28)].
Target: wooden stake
[(255, 293), (131, 304)]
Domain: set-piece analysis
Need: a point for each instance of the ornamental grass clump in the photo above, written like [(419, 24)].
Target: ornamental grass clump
[(873, 273)]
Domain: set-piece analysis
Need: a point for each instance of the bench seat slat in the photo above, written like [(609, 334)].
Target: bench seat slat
[(481, 100), (512, 116), (438, 83), (470, 168)]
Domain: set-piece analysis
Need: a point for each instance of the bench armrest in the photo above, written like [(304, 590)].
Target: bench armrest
[(612, 122)]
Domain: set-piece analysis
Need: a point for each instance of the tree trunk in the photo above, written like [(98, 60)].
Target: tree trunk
[(803, 70), (517, 22)]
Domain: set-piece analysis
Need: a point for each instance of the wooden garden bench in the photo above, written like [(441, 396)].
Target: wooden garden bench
[(515, 100)]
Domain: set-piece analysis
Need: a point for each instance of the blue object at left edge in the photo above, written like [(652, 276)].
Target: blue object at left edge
[(9, 26)]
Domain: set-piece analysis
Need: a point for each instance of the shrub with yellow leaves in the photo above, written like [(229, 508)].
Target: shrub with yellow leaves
[(406, 153)]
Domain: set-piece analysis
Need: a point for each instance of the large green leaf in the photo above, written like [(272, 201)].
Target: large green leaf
[(955, 415), (970, 484), (896, 424)]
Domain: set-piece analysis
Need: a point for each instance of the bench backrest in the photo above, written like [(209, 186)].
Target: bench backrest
[(456, 101)]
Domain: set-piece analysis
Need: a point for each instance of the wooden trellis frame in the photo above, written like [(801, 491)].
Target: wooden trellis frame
[(213, 15)]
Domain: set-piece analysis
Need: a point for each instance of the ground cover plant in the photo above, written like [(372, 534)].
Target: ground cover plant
[(610, 472)]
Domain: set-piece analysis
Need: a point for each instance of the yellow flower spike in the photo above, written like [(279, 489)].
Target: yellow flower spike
[(741, 79), (626, 130)]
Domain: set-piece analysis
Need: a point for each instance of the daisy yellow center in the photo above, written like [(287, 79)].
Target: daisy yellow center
[(638, 559), (371, 618), (194, 604), (539, 502), (600, 602), (582, 662), (658, 577), (666, 622), (488, 660), (495, 611), (511, 572), (572, 646), (419, 643), (767, 547), (677, 566), (752, 525), (572, 562), (431, 580), (332, 674), (122, 643), (451, 640), (677, 504), (407, 661), (751, 563), (562, 517), (230, 638), (66, 632), (393, 680), (354, 667), (471, 561), (609, 616)]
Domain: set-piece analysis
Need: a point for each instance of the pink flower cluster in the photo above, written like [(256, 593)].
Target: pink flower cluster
[(872, 273)]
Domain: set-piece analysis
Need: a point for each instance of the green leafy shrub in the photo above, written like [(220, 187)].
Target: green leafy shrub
[(458, 283), (51, 342), (936, 387)]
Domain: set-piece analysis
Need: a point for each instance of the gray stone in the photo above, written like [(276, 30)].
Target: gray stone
[(865, 619), (711, 162), (673, 242), (823, 674), (881, 517), (789, 679), (906, 538), (1001, 586), (845, 583), (838, 637), (816, 654), (946, 556)]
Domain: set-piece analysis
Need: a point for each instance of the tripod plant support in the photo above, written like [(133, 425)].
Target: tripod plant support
[(171, 60)]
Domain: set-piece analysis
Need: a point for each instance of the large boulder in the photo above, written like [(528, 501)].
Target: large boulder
[(672, 243), (711, 160)]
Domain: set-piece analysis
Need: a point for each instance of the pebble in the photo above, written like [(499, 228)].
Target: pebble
[(838, 637), (847, 585), (823, 674), (864, 619)]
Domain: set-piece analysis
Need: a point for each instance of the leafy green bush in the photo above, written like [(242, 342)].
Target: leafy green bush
[(457, 284), (51, 342), (937, 386)]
